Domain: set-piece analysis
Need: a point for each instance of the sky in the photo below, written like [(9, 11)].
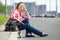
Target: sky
[(38, 2)]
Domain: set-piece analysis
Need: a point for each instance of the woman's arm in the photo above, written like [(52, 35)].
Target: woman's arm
[(17, 16), (27, 16), (27, 13)]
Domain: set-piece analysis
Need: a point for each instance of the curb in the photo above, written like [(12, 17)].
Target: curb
[(13, 36)]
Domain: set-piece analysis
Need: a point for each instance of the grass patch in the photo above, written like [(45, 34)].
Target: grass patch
[(3, 19)]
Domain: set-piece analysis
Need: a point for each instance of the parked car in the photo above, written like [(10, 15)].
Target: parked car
[(49, 15)]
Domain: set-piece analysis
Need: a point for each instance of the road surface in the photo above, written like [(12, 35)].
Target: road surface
[(48, 25)]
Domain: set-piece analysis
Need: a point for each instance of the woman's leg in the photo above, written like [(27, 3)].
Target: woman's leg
[(30, 29), (26, 22), (33, 30)]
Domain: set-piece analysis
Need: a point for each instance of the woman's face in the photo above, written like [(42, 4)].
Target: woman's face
[(22, 7)]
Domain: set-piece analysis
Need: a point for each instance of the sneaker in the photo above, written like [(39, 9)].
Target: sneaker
[(44, 34)]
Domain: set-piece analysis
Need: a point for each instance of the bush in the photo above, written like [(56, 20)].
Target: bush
[(3, 19)]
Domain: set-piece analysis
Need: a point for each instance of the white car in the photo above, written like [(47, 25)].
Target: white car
[(49, 15)]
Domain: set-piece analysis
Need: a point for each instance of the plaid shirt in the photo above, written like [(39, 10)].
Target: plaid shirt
[(18, 15)]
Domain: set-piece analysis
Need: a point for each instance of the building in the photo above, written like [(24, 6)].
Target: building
[(41, 10), (35, 10), (30, 7)]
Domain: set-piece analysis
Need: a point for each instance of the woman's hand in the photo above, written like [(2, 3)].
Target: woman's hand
[(22, 23), (24, 8)]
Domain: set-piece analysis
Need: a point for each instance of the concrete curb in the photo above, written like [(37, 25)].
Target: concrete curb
[(13, 36), (4, 35)]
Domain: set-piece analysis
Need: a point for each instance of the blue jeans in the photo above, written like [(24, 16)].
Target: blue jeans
[(29, 28)]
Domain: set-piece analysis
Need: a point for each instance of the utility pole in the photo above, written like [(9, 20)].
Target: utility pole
[(56, 9), (13, 4), (50, 5), (46, 7), (6, 7)]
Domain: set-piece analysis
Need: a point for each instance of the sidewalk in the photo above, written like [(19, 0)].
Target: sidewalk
[(7, 35), (4, 35), (2, 27)]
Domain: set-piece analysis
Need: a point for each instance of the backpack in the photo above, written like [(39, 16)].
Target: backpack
[(10, 25)]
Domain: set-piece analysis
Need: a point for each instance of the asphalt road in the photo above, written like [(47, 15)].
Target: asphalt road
[(48, 25)]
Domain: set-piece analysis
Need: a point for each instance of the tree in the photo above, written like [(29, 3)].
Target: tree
[(2, 8)]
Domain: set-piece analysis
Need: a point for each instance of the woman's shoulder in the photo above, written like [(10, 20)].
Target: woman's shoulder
[(15, 11)]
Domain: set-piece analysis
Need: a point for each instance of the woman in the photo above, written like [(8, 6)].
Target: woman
[(19, 15)]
